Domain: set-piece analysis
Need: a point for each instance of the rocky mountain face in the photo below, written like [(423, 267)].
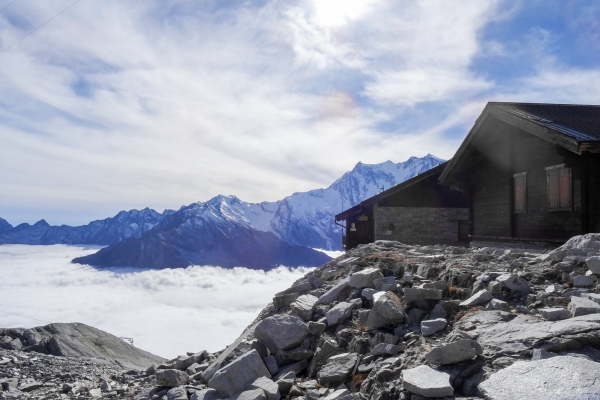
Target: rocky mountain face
[(391, 321), (124, 225)]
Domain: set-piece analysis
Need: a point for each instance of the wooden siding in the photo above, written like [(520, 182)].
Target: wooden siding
[(504, 150)]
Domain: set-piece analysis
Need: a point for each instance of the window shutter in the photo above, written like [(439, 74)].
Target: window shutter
[(553, 189), (564, 180), (520, 192)]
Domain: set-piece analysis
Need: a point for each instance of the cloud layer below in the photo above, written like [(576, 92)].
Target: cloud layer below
[(167, 312)]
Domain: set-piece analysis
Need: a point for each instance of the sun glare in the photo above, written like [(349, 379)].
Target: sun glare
[(339, 12)]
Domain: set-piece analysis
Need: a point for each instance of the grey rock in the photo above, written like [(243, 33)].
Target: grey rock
[(316, 328), (171, 377), (553, 314), (271, 364), (383, 349), (432, 326), (294, 369), (332, 294), (540, 354), (593, 263), (438, 312), (580, 306), (207, 394), (337, 395), (284, 300), (304, 306), (379, 283), (254, 394), (479, 298), (595, 297), (185, 362), (337, 369), (454, 352), (387, 310), (427, 382), (368, 293), (552, 378), (553, 289), (315, 281), (177, 393), (495, 304), (240, 346), (514, 283), (364, 278), (13, 394), (268, 386), (412, 294), (281, 332), (495, 288), (239, 374), (30, 386), (300, 288), (583, 281), (327, 350), (339, 313)]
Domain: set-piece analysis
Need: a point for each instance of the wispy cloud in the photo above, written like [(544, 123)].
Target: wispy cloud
[(122, 104), (167, 312)]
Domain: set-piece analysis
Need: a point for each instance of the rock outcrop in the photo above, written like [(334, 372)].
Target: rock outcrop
[(415, 322)]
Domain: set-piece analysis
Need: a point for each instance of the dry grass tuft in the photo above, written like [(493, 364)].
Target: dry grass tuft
[(462, 313), (358, 379)]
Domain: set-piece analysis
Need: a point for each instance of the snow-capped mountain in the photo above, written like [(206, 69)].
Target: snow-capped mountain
[(124, 225), (225, 230)]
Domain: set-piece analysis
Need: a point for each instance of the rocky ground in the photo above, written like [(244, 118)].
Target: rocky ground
[(385, 321)]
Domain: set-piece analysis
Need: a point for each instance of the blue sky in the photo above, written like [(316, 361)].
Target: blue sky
[(120, 104)]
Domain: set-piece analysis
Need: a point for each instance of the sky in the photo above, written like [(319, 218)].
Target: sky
[(114, 105), (166, 312)]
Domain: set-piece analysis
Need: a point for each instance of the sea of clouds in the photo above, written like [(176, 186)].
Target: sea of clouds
[(167, 312)]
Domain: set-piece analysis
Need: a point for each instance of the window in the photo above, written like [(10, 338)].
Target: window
[(559, 188), (520, 192)]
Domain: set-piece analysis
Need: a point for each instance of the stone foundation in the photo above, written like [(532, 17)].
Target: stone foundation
[(419, 225)]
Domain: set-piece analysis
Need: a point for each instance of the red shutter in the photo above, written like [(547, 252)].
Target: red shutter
[(564, 182)]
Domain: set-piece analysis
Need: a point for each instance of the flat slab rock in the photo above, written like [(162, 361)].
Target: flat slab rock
[(552, 378), (427, 382)]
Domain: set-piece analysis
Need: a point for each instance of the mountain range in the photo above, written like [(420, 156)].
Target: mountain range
[(225, 230)]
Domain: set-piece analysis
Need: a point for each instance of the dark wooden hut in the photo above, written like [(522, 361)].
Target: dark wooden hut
[(531, 173), (417, 211)]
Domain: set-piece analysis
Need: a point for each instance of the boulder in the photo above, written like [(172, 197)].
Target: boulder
[(454, 352), (316, 328), (291, 369), (281, 332), (271, 364), (304, 306), (284, 299), (337, 369), (553, 314), (268, 386), (327, 350), (177, 393), (593, 263), (339, 313), (541, 354), (239, 374), (495, 288), (438, 312), (583, 281), (552, 378), (368, 293), (332, 294), (495, 304), (387, 310), (253, 394), (384, 349), (206, 394), (364, 278), (427, 382), (595, 297), (514, 283), (381, 282), (412, 294), (431, 326), (184, 363), (580, 306), (171, 377), (479, 298)]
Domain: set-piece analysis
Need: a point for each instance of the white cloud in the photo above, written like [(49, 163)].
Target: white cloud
[(167, 312)]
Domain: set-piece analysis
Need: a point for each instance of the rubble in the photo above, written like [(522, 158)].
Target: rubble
[(385, 321)]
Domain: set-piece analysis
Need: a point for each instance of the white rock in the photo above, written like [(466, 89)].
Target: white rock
[(304, 306), (432, 326), (339, 313), (364, 278), (580, 306), (554, 314), (479, 298), (427, 382)]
